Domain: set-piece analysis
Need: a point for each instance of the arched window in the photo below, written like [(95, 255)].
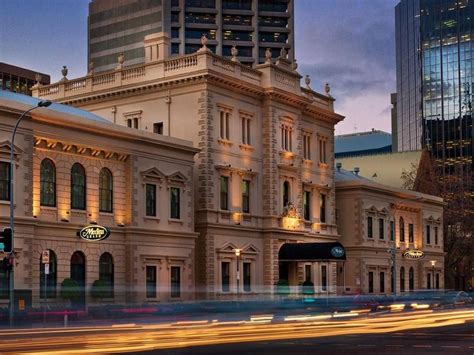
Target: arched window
[(105, 191), (47, 183), (286, 193), (78, 187), (411, 279), (106, 272), (48, 280), (402, 279), (402, 229)]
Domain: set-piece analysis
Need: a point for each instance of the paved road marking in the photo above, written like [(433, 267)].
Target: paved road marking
[(450, 346), (395, 345), (365, 345), (422, 346)]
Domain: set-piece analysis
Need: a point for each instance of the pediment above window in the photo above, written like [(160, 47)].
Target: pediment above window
[(153, 174), (5, 150), (177, 178)]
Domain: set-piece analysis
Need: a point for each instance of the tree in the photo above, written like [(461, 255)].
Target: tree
[(100, 289), (70, 290)]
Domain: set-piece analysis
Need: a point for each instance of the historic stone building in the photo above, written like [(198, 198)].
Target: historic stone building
[(374, 220), (264, 176), (74, 169)]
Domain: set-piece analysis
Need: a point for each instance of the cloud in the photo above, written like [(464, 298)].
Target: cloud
[(351, 45)]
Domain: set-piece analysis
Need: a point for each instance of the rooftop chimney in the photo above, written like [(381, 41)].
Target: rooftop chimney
[(157, 46), (338, 166), (356, 170)]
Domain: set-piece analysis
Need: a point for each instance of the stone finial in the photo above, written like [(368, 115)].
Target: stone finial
[(283, 53), (294, 65), (91, 67), (268, 56), (235, 52), (307, 81), (37, 80), (327, 89), (64, 71), (204, 42), (120, 60)]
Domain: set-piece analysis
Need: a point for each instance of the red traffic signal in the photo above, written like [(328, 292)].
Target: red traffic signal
[(6, 239)]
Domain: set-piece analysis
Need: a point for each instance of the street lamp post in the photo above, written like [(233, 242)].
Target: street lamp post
[(237, 254), (42, 103)]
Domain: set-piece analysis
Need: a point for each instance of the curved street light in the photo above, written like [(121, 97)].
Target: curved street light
[(43, 103)]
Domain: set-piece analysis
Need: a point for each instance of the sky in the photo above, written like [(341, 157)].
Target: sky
[(349, 44)]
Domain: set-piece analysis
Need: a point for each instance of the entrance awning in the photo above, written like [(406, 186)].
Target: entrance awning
[(332, 251)]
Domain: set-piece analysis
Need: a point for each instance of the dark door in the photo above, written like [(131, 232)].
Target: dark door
[(78, 274)]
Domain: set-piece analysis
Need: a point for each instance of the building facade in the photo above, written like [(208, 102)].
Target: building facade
[(69, 187), (252, 26), (20, 80), (264, 176), (375, 219)]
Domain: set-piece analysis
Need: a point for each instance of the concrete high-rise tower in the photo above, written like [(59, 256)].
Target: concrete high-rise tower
[(119, 26)]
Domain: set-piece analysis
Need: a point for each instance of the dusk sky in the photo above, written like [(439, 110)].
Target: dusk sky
[(348, 43)]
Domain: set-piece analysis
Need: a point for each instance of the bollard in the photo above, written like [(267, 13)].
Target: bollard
[(65, 320)]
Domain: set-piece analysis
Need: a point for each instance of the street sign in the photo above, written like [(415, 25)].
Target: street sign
[(46, 269), (45, 257), (2, 247)]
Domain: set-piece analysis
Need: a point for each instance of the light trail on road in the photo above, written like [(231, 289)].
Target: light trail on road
[(147, 337)]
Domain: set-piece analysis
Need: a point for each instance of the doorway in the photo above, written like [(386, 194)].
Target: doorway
[(78, 274)]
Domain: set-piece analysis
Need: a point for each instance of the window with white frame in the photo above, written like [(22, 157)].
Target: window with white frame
[(307, 145)]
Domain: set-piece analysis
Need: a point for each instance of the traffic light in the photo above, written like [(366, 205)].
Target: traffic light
[(6, 239)]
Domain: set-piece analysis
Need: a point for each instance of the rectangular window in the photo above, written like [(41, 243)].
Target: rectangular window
[(436, 235), (392, 231), (286, 138), (428, 280), (246, 130), (224, 121), (307, 146), (306, 205), (247, 277), (150, 192), (158, 128), (437, 281), (370, 230), (150, 281), (428, 234), (4, 181), (307, 273), (371, 282), (224, 193), (225, 275), (411, 233), (322, 151), (175, 282), (324, 277), (322, 208), (381, 229), (175, 212), (245, 196), (382, 282)]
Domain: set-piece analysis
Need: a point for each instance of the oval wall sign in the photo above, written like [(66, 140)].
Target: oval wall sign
[(413, 254), (94, 233), (337, 252)]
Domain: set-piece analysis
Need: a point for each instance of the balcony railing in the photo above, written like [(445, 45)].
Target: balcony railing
[(264, 76)]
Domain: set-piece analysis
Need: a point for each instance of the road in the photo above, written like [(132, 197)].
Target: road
[(424, 330), (457, 339)]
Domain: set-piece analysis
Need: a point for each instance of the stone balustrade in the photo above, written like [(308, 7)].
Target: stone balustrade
[(264, 76)]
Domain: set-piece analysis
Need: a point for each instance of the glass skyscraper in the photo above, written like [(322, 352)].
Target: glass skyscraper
[(435, 58)]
